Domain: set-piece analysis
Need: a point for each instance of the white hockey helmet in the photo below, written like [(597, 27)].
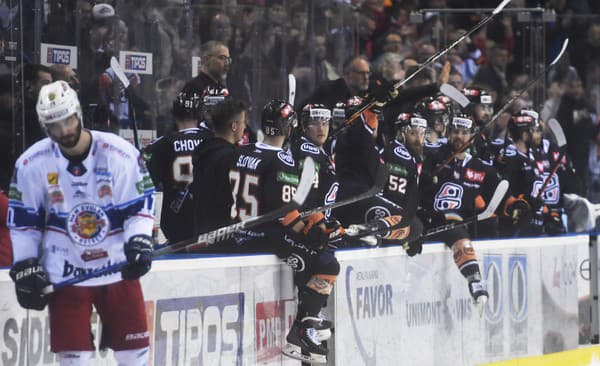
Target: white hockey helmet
[(56, 102)]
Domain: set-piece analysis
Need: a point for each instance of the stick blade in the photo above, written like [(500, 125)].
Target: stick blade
[(558, 132), (562, 51), (114, 64), (454, 94), (500, 7), (306, 180), (292, 88), (494, 201)]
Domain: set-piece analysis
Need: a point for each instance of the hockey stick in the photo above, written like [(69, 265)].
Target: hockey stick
[(488, 124), (455, 94), (212, 237), (114, 64), (432, 59), (484, 215), (561, 141), (292, 89), (380, 181)]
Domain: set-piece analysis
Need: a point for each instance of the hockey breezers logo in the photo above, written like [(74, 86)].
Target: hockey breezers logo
[(369, 360)]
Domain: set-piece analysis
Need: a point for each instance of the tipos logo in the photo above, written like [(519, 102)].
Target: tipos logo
[(87, 224)]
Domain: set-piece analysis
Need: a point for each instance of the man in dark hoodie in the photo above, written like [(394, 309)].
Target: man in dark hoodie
[(212, 161)]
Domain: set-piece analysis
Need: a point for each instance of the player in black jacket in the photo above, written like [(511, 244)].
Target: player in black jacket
[(263, 179), (169, 161), (529, 162), (403, 160), (212, 161), (481, 107), (357, 160)]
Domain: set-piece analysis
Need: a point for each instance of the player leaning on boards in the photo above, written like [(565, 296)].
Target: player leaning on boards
[(75, 199), (169, 161), (264, 179)]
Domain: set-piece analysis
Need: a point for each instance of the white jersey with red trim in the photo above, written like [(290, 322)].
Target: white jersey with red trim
[(83, 212)]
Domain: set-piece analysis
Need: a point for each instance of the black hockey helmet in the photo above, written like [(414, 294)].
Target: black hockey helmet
[(402, 120), (479, 98), (477, 95), (314, 112), (463, 120), (433, 111), (448, 103), (277, 117), (187, 105), (523, 121), (343, 110)]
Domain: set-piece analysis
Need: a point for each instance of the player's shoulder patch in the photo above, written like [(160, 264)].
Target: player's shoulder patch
[(109, 143), (37, 153), (310, 148), (401, 152), (286, 158)]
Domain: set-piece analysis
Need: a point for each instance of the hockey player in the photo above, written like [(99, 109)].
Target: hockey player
[(314, 125), (438, 114), (169, 160), (264, 178), (212, 161), (529, 162), (481, 107), (357, 161), (403, 158), (82, 200), (463, 188)]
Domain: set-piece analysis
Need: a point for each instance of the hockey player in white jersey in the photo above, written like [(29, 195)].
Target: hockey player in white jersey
[(80, 201)]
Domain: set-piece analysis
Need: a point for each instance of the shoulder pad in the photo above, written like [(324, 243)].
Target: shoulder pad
[(310, 148), (401, 152), (286, 158)]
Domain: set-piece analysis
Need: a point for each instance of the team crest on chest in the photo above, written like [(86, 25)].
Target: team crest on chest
[(87, 224)]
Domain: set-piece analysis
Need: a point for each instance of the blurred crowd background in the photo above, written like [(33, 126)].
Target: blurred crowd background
[(268, 39)]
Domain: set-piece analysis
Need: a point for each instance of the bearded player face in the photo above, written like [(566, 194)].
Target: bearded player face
[(66, 132)]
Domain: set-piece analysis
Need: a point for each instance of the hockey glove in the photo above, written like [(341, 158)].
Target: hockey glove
[(553, 224), (414, 247), (519, 211), (314, 233), (30, 278), (335, 232), (383, 96), (138, 251)]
